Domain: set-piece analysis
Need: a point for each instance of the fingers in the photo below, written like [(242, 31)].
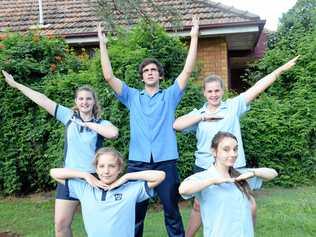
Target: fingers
[(114, 185), (78, 122), (239, 178), (99, 184), (244, 176), (102, 185), (212, 118), (9, 78), (293, 61), (101, 35), (224, 180), (230, 180), (99, 28), (6, 75), (195, 26), (195, 20)]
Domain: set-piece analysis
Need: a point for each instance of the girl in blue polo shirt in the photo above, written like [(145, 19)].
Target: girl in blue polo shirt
[(84, 133), (217, 115), (223, 192), (108, 203)]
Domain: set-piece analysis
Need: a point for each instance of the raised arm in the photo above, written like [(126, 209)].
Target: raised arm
[(191, 58), (153, 178), (114, 82), (267, 81), (61, 174), (190, 186), (33, 95)]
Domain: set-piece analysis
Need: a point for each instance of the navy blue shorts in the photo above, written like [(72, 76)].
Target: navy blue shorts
[(62, 192)]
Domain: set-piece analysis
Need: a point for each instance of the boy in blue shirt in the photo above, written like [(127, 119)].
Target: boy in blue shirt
[(108, 203), (153, 142)]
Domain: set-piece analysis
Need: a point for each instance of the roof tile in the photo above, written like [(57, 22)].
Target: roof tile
[(68, 17)]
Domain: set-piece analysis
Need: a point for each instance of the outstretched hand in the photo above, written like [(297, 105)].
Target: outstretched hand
[(9, 79), (221, 180), (94, 182), (195, 26), (78, 122), (101, 35), (245, 176), (287, 65), (211, 117), (118, 182)]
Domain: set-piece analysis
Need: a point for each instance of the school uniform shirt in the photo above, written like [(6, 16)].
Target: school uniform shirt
[(230, 110), (80, 143), (109, 213), (151, 120), (225, 210)]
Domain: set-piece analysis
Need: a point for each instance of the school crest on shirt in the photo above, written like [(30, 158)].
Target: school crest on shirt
[(118, 196)]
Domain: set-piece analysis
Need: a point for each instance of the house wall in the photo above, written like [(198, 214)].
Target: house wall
[(212, 58)]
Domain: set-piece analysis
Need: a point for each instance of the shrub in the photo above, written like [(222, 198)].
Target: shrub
[(27, 154), (280, 129)]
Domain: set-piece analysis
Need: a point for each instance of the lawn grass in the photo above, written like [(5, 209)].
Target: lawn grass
[(281, 212)]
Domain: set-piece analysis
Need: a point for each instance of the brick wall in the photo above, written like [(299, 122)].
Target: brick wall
[(212, 57)]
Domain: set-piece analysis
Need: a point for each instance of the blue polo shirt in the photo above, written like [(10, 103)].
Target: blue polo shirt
[(151, 120), (231, 110), (80, 143), (225, 210), (109, 213)]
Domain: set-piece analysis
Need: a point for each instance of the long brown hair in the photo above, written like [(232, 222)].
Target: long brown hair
[(242, 185), (96, 110)]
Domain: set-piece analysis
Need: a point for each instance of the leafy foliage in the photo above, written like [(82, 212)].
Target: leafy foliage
[(280, 129), (27, 130), (32, 140), (130, 11)]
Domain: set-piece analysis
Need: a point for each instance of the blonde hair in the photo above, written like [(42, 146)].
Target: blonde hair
[(111, 151), (213, 77), (96, 110)]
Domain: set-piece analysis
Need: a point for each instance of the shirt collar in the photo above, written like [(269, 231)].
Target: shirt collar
[(143, 92), (222, 105), (93, 119)]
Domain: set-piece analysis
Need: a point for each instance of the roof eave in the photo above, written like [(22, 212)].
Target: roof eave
[(212, 30)]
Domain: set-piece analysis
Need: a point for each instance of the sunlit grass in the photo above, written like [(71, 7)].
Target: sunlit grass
[(280, 212)]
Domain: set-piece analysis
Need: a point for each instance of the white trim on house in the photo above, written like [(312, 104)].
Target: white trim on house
[(237, 37), (220, 31)]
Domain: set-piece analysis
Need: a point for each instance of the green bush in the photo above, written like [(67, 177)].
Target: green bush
[(280, 130), (26, 130), (32, 140)]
